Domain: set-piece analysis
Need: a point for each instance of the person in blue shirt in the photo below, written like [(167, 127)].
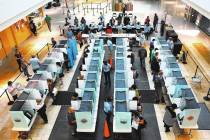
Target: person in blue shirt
[(147, 31), (35, 63), (69, 33), (110, 45), (101, 18), (108, 109)]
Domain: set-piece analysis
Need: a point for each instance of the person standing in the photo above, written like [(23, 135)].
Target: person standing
[(33, 27), (108, 109), (155, 22), (162, 27), (151, 48), (147, 31), (124, 9), (155, 66), (110, 45), (132, 58), (159, 84), (101, 18), (25, 70), (169, 117), (106, 69), (72, 120), (19, 58), (35, 63), (48, 21), (53, 42), (76, 21), (41, 109), (147, 21), (12, 90), (142, 56)]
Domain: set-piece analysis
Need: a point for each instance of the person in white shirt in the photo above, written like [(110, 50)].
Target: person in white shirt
[(106, 69), (108, 109), (170, 42), (110, 45), (41, 109), (35, 63), (12, 90)]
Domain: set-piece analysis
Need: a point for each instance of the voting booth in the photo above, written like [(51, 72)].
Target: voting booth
[(178, 90)]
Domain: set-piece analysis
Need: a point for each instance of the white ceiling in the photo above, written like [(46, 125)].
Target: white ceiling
[(202, 6), (13, 10)]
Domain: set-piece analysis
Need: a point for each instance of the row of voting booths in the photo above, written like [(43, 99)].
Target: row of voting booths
[(123, 79), (89, 90), (177, 88), (23, 111)]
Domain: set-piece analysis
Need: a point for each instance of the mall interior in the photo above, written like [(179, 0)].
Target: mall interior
[(105, 69)]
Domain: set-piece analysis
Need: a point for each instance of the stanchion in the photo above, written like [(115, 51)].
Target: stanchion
[(100, 6), (97, 8), (10, 101), (91, 5), (207, 98), (93, 12), (84, 11), (110, 6), (60, 30), (78, 8), (106, 9), (87, 8)]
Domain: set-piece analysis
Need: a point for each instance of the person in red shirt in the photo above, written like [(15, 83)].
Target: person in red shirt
[(108, 29), (147, 20)]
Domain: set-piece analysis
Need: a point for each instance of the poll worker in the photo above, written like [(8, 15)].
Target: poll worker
[(13, 89), (72, 120), (35, 63), (41, 109), (106, 69), (169, 118), (76, 21)]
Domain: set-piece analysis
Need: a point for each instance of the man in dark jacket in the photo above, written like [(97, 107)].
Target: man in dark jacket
[(155, 22), (155, 66), (142, 56), (159, 84)]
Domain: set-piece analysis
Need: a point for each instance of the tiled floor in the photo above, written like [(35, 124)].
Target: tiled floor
[(142, 9)]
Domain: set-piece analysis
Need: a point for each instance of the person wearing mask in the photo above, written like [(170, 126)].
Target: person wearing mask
[(41, 109), (110, 45), (151, 47), (147, 31), (72, 120), (76, 21), (100, 27), (13, 90), (108, 109), (60, 74), (153, 54), (24, 67), (162, 27), (169, 118), (35, 63), (134, 21), (155, 66), (101, 18), (106, 69), (159, 84), (142, 56), (147, 21), (83, 21), (171, 43), (53, 42), (48, 21), (138, 27), (155, 22), (66, 22), (19, 58), (138, 122), (33, 27)]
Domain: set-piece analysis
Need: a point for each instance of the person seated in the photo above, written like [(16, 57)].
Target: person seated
[(74, 96), (108, 29), (86, 30), (138, 27), (100, 27), (83, 21), (14, 89)]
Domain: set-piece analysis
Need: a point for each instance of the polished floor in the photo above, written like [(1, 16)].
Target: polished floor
[(195, 41)]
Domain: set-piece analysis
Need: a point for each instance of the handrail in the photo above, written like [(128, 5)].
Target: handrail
[(198, 66), (5, 91)]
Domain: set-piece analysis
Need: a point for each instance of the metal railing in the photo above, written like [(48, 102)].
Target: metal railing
[(38, 54)]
